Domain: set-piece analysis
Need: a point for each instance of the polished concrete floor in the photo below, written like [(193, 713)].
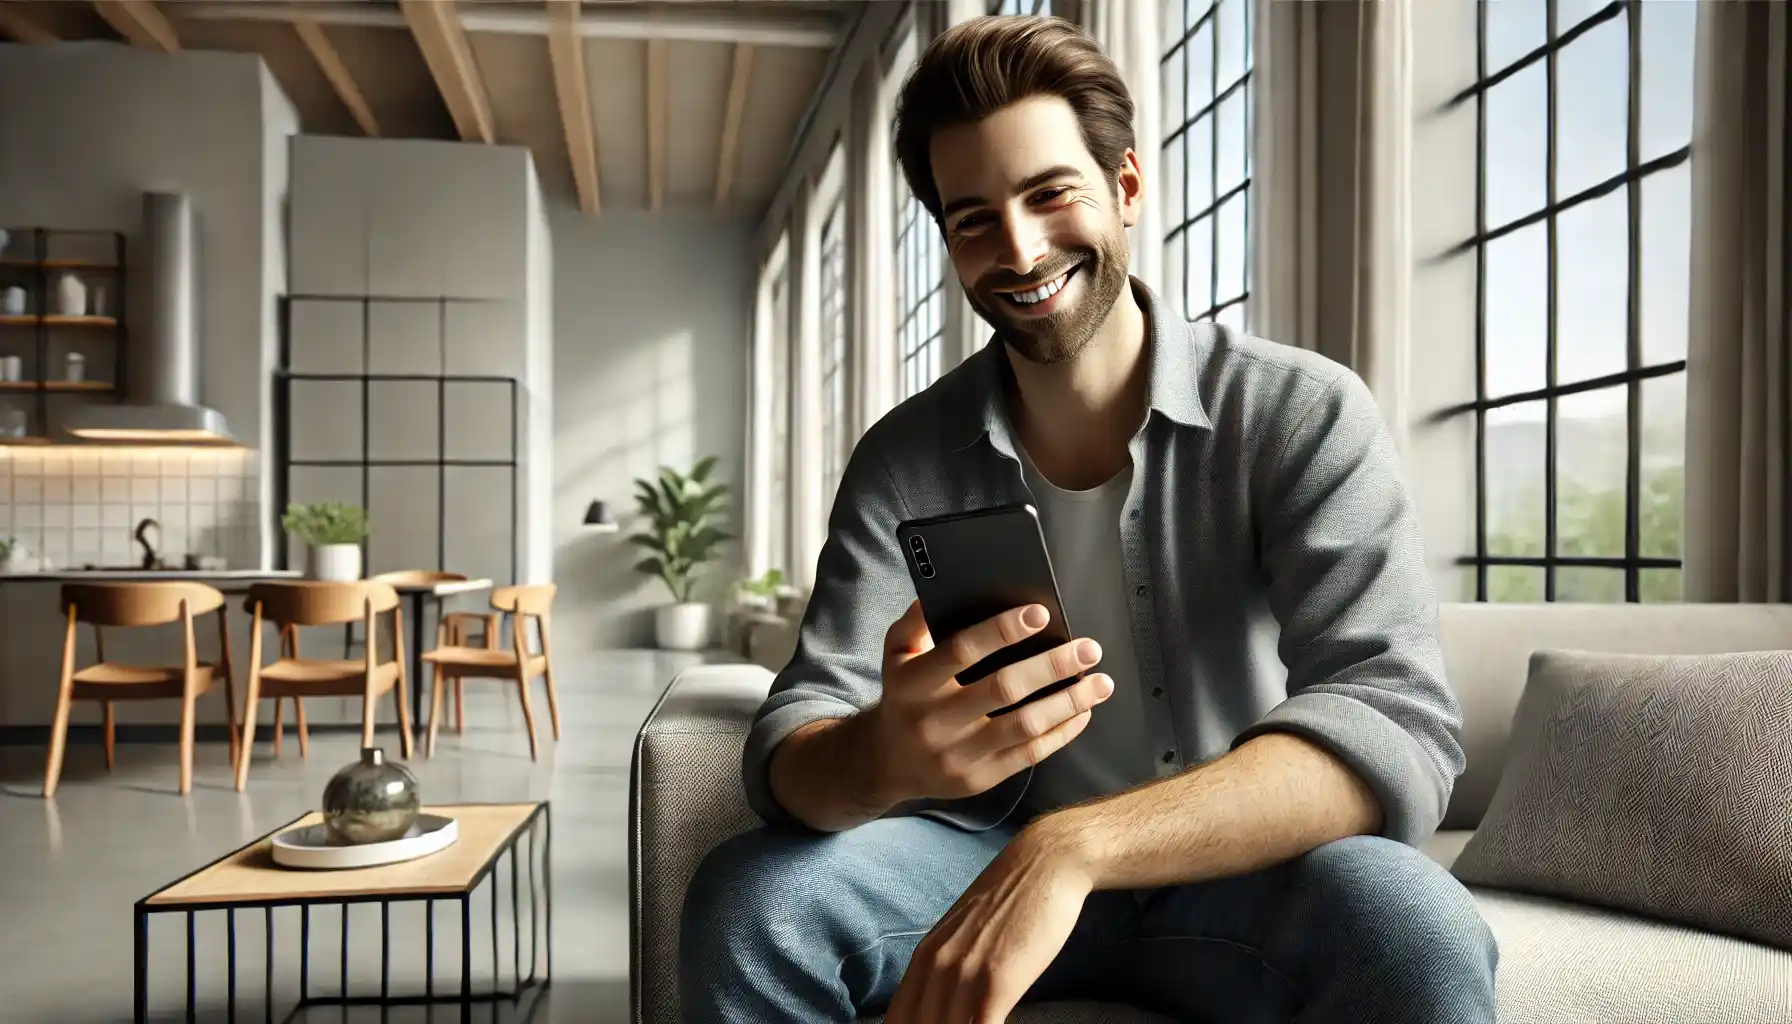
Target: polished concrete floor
[(72, 868)]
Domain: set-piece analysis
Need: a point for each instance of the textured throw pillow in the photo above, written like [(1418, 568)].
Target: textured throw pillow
[(1660, 785)]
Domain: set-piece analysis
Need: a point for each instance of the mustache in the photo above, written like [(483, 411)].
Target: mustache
[(1004, 280)]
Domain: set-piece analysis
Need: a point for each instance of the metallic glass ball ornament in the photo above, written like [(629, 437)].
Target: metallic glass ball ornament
[(371, 801)]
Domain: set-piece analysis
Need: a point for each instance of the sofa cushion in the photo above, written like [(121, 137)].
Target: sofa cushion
[(1487, 650), (1563, 963), (1660, 785)]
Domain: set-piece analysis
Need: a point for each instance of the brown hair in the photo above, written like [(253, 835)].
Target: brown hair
[(977, 67)]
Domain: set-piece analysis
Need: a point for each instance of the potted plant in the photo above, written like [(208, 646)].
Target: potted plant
[(761, 594), (684, 533), (332, 533)]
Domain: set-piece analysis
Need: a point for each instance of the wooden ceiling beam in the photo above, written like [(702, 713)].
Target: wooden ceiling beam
[(21, 24), (330, 63), (656, 123), (436, 26), (566, 50), (140, 22), (737, 105)]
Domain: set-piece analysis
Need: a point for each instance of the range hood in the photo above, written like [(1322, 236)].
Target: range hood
[(161, 387)]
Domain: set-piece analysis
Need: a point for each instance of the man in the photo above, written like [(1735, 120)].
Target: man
[(1219, 822)]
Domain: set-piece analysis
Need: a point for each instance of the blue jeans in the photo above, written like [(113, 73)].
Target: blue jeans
[(786, 925)]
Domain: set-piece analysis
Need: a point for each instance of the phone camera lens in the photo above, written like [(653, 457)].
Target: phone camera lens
[(915, 543), (927, 570)]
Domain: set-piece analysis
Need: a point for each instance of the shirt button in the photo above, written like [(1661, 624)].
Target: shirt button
[(1141, 590), (1134, 514), (1157, 691), (1169, 755)]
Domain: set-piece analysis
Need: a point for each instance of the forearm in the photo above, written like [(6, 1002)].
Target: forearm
[(1269, 801), (825, 775)]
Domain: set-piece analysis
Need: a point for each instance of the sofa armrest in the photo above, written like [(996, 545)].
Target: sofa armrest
[(685, 797)]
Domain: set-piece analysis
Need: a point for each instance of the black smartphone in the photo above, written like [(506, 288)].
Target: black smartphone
[(971, 566)]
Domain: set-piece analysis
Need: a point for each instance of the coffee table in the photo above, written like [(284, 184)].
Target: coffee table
[(247, 879)]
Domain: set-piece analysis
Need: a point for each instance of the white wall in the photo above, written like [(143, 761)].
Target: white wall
[(87, 128), (652, 317), (416, 222), (279, 121)]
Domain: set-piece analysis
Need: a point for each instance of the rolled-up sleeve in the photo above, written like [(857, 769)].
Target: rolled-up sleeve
[(1358, 610), (861, 587)]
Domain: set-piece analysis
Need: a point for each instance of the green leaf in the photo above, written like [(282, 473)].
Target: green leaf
[(650, 566), (700, 472)]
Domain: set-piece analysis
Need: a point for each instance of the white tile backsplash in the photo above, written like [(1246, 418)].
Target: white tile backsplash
[(81, 507)]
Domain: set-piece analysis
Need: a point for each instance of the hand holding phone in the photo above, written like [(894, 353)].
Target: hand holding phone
[(942, 740)]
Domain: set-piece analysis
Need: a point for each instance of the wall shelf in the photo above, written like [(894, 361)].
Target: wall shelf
[(59, 320), (89, 386), (42, 339), (94, 265), (23, 442)]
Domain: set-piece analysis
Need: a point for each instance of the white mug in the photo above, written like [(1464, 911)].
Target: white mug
[(14, 303), (12, 369)]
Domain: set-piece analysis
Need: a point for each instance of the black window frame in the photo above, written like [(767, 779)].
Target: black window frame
[(835, 409), (1176, 234), (920, 318), (1635, 171)]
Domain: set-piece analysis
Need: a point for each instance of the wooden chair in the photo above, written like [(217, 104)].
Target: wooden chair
[(292, 605), (460, 629), (128, 605), (515, 665)]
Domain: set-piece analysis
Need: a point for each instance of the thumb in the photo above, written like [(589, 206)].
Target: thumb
[(908, 636)]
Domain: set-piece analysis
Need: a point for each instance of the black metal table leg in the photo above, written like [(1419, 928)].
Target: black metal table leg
[(417, 708), (141, 1000)]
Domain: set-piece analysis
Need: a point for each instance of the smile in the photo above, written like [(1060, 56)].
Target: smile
[(1043, 294)]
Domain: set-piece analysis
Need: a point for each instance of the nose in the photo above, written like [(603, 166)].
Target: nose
[(1023, 243)]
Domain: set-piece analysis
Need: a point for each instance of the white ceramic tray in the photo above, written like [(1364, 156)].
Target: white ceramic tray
[(310, 847)]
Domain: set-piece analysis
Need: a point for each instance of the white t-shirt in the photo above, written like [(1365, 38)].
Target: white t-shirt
[(1082, 533)]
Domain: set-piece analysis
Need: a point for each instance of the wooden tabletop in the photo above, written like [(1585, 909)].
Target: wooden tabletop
[(250, 875), (443, 588)]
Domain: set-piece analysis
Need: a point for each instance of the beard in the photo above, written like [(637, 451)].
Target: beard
[(1062, 334)]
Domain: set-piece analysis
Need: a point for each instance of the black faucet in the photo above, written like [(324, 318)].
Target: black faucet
[(150, 559)]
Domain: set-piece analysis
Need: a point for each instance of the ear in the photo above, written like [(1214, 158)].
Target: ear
[(1130, 186)]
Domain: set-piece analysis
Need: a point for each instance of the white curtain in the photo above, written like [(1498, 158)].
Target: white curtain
[(1128, 33), (1332, 253), (1738, 525)]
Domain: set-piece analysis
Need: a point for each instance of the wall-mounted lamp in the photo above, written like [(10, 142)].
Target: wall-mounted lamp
[(598, 518)]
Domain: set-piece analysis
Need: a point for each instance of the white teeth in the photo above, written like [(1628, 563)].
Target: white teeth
[(1041, 293)]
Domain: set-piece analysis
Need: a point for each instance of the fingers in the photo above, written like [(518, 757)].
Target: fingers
[(1031, 752), (974, 644), (908, 635), (1021, 680), (1025, 724)]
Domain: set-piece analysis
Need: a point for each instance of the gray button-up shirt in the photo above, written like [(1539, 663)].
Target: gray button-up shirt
[(1273, 561)]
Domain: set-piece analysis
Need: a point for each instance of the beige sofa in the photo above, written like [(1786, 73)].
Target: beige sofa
[(1560, 963)]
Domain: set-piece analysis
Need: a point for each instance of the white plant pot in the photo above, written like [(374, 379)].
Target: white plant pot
[(682, 627), (337, 563)]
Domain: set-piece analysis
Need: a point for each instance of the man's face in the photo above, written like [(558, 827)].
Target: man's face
[(1036, 231)]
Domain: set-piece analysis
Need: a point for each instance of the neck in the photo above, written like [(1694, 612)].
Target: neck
[(1077, 417)]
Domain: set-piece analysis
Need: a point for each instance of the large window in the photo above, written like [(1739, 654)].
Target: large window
[(1582, 247), (778, 556), (920, 302), (1207, 94), (833, 353), (1020, 7)]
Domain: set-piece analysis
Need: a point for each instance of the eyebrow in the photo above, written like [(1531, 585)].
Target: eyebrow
[(1033, 182)]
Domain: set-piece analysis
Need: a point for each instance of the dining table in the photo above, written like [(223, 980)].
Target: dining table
[(420, 594)]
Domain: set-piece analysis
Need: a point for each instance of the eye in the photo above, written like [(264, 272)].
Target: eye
[(1052, 194), (969, 220)]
